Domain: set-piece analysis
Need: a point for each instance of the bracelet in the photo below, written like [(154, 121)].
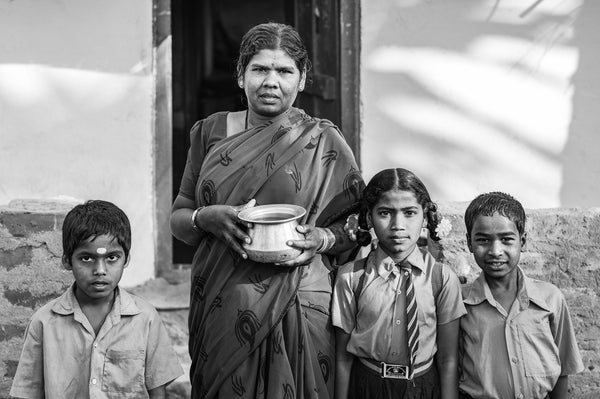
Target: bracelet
[(194, 225), (328, 241)]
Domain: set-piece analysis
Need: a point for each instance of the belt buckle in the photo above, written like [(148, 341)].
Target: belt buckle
[(397, 371)]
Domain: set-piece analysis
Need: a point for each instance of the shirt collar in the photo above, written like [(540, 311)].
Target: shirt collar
[(124, 303), (384, 264), (526, 292)]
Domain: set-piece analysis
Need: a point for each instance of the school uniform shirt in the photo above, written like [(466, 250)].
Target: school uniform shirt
[(519, 353), (377, 323), (63, 358)]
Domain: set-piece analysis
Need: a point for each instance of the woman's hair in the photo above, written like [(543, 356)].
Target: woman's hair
[(395, 179), (272, 36), (496, 202), (93, 219)]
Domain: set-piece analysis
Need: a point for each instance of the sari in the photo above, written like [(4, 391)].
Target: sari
[(260, 330)]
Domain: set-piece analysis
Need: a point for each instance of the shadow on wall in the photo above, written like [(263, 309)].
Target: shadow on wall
[(476, 96), (581, 169)]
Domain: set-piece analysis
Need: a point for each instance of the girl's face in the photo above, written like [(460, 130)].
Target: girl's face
[(397, 219), (271, 82)]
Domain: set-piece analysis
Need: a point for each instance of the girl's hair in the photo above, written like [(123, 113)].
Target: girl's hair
[(272, 36), (93, 219), (395, 179)]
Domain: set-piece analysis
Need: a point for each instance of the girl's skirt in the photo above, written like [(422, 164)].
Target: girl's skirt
[(367, 384)]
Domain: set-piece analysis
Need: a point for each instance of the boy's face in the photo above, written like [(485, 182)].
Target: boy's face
[(496, 245), (97, 265)]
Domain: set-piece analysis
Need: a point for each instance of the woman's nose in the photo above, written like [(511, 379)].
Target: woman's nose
[(271, 79)]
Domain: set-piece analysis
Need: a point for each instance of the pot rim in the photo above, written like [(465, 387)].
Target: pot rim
[(253, 215)]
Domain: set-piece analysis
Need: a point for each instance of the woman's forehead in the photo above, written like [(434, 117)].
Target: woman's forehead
[(268, 57)]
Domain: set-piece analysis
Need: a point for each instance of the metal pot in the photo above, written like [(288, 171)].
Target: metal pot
[(272, 227)]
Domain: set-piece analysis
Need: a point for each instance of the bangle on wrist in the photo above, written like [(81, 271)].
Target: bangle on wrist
[(193, 220), (328, 241)]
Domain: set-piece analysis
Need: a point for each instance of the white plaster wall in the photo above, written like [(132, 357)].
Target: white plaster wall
[(482, 95), (76, 109)]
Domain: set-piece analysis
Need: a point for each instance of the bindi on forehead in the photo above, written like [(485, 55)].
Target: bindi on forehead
[(100, 251)]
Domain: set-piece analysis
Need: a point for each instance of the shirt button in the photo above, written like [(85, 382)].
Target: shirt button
[(406, 273), (520, 396), (394, 353), (398, 322), (95, 344), (515, 360), (94, 381)]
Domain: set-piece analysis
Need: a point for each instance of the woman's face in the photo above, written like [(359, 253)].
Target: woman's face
[(271, 82)]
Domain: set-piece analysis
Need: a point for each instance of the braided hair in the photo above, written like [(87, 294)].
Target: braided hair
[(395, 179)]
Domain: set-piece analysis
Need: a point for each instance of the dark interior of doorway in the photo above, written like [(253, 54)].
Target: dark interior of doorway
[(206, 36)]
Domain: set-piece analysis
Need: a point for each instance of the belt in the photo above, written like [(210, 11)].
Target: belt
[(387, 370)]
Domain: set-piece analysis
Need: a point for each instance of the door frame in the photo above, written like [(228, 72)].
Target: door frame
[(163, 123)]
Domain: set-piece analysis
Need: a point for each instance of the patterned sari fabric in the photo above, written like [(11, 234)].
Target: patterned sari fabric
[(259, 330)]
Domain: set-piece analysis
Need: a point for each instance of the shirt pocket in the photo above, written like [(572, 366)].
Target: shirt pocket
[(124, 371), (538, 350)]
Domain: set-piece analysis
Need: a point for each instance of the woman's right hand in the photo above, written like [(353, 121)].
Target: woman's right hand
[(222, 222)]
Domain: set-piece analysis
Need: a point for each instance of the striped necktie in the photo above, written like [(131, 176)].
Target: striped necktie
[(412, 326)]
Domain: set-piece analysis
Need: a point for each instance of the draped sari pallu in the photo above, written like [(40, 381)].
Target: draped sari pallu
[(260, 330)]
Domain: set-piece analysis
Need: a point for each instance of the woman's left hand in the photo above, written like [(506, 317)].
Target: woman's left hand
[(312, 240)]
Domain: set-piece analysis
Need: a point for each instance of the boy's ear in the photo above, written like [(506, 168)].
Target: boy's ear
[(241, 82), (66, 263), (523, 241), (127, 261), (469, 243)]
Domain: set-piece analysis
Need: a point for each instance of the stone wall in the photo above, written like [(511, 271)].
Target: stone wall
[(563, 247)]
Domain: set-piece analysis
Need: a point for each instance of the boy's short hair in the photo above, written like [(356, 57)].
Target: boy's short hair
[(92, 219), (489, 203)]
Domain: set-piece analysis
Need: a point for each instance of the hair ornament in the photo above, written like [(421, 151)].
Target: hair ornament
[(351, 227), (443, 228)]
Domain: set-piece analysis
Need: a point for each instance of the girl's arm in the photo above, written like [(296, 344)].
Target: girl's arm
[(560, 389), (447, 358), (343, 363)]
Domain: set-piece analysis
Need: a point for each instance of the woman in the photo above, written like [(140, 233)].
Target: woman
[(263, 330)]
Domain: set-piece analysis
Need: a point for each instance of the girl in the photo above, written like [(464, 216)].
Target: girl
[(397, 311)]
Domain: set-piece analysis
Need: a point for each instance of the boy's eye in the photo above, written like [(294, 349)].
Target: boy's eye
[(86, 259), (384, 213), (481, 240), (113, 258)]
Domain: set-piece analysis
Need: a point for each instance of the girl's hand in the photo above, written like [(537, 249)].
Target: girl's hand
[(222, 221), (313, 238)]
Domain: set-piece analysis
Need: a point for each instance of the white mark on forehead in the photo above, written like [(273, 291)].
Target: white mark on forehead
[(101, 251)]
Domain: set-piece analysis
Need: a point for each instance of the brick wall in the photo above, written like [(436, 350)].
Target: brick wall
[(563, 248)]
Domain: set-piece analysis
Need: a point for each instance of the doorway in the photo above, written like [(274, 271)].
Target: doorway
[(205, 44)]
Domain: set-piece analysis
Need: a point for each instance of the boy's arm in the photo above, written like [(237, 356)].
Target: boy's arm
[(447, 358), (158, 392), (29, 377), (162, 363), (343, 362), (560, 389)]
